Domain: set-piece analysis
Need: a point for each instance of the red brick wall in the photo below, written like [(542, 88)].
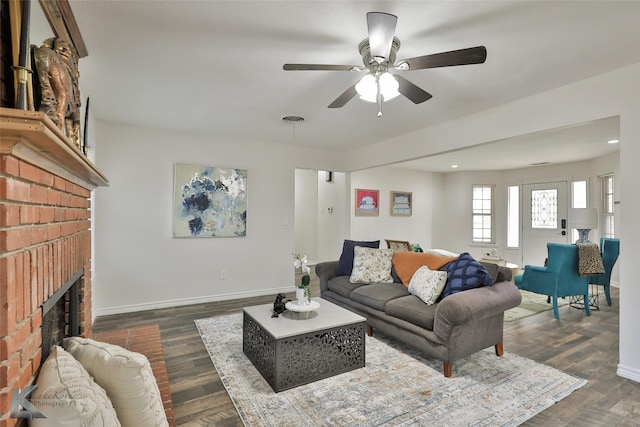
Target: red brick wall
[(45, 239)]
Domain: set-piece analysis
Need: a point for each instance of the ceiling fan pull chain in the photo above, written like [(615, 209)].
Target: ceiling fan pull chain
[(379, 97)]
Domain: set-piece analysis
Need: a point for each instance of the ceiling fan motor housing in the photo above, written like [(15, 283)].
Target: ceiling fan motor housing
[(365, 51)]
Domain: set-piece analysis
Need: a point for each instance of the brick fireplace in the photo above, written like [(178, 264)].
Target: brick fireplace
[(45, 240)]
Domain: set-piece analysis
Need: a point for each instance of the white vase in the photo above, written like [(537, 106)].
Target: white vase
[(301, 296)]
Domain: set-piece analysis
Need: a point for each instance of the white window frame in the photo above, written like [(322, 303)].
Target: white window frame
[(579, 199), (513, 216), (608, 205), (480, 210)]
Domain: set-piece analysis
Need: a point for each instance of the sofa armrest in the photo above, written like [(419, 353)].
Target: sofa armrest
[(325, 272), (474, 305)]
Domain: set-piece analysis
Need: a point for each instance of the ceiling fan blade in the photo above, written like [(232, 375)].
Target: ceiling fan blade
[(345, 97), (471, 55), (382, 27), (411, 91), (323, 67)]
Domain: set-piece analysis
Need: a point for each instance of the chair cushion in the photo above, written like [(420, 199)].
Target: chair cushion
[(465, 273), (345, 263), (378, 294), (371, 265), (407, 263), (411, 309)]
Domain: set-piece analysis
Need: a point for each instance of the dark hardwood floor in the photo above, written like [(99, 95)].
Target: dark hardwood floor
[(579, 345)]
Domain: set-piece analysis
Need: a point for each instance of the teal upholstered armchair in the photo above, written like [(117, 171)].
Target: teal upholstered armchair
[(558, 279), (610, 249)]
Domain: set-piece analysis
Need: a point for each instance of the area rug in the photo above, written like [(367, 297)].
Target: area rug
[(396, 387), (531, 304)]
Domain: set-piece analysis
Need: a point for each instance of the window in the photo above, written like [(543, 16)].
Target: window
[(513, 216), (544, 208), (607, 205), (482, 213), (578, 200)]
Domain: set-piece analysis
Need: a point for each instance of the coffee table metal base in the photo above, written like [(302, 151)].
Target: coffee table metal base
[(300, 359)]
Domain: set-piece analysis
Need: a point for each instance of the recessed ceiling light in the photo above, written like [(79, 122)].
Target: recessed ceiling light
[(454, 166), (613, 141)]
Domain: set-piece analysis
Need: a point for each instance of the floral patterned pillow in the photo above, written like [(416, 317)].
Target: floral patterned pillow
[(371, 265), (427, 284)]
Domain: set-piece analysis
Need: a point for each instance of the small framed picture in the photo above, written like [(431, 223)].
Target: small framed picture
[(367, 202), (401, 203)]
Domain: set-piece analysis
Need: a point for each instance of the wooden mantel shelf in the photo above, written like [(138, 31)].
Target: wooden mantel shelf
[(34, 138)]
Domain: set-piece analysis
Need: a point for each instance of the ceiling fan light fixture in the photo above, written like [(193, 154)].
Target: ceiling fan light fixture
[(367, 87), (389, 86)]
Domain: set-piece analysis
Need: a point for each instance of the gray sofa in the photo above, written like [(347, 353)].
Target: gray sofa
[(455, 327)]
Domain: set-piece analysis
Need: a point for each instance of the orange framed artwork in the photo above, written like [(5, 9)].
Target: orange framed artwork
[(367, 202)]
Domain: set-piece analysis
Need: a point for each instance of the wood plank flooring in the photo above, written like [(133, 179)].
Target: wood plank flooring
[(579, 345)]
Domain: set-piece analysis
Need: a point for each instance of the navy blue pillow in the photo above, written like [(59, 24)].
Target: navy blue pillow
[(465, 273), (345, 263)]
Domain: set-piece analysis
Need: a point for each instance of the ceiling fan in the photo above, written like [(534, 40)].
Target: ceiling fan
[(379, 55)]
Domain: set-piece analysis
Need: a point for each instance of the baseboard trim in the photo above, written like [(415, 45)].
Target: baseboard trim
[(186, 301), (628, 373)]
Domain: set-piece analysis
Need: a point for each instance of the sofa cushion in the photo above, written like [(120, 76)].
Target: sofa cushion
[(378, 294), (345, 263), (371, 265), (465, 273), (407, 263), (411, 309), (492, 269), (127, 378), (427, 284), (343, 286), (68, 396)]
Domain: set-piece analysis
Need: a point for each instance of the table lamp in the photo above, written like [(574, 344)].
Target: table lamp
[(583, 220)]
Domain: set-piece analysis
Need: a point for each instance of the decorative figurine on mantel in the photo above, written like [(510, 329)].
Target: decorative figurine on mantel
[(303, 290), (57, 94)]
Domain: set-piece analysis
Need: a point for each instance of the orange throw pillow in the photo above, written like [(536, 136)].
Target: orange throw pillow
[(407, 263)]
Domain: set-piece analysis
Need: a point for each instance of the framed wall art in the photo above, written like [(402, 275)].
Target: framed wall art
[(401, 203), (209, 201), (367, 202)]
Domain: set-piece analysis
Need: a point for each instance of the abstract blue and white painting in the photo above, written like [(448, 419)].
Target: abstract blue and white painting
[(209, 201)]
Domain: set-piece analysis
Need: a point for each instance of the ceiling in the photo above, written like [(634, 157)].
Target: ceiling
[(215, 67)]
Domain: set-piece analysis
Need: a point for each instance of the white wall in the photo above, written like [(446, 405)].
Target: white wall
[(306, 213), (415, 228), (333, 227), (140, 266)]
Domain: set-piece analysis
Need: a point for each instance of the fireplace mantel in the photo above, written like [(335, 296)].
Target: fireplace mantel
[(33, 137)]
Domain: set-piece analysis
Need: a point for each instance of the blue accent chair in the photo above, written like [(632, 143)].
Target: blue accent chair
[(558, 279), (610, 249)]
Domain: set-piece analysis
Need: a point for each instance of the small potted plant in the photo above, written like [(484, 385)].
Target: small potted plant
[(303, 290)]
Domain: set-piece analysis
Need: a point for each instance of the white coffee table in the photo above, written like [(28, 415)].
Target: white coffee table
[(295, 349)]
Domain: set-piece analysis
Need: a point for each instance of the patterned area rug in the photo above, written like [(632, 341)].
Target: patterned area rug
[(532, 303), (396, 387)]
